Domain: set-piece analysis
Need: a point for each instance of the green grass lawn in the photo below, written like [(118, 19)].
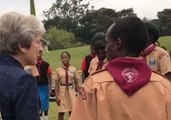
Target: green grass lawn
[(77, 54), (166, 42), (53, 114)]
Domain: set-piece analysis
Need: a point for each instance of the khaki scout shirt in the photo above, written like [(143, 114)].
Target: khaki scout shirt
[(94, 64), (72, 74), (100, 98), (159, 60)]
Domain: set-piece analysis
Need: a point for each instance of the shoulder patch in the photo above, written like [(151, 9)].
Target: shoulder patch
[(82, 93)]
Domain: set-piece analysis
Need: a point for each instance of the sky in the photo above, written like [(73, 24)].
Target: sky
[(143, 8)]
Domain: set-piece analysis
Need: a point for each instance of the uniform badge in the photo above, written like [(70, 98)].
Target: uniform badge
[(82, 93), (129, 74), (152, 62)]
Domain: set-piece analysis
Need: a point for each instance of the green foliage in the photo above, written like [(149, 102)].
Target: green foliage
[(59, 39), (165, 21), (99, 20), (66, 13), (76, 16), (126, 12)]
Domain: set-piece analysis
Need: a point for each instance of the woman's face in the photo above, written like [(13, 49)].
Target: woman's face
[(32, 53), (65, 58)]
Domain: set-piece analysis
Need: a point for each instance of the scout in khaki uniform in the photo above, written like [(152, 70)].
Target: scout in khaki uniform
[(127, 89), (66, 75), (156, 57), (100, 61), (86, 63), (95, 63)]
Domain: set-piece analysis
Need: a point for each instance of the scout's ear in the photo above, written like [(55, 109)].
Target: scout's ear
[(118, 43)]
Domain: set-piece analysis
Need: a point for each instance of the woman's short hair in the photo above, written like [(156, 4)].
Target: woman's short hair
[(15, 29)]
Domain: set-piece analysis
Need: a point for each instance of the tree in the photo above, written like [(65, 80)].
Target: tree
[(83, 21), (65, 14), (165, 21), (59, 39), (95, 21), (99, 20), (126, 12)]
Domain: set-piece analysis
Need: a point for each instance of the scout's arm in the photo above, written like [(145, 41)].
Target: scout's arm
[(57, 88), (49, 74), (168, 100), (76, 81), (165, 65), (83, 68), (86, 105)]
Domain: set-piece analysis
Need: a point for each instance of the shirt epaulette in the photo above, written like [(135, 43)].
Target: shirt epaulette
[(160, 74), (98, 71)]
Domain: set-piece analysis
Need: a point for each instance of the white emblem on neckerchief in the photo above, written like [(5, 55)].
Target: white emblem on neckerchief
[(129, 74)]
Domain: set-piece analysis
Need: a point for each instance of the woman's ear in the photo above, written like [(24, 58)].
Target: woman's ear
[(22, 48)]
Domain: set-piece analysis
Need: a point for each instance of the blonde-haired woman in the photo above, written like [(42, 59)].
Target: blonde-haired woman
[(20, 43)]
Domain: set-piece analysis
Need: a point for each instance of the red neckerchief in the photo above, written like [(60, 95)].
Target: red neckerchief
[(130, 74), (66, 75), (92, 55), (100, 65), (147, 51)]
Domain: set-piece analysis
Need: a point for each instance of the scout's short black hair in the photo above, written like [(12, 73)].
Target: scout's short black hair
[(133, 33), (153, 32), (99, 36)]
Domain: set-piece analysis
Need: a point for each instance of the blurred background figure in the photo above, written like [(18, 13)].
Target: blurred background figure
[(99, 62), (86, 63), (156, 57), (44, 81), (66, 86)]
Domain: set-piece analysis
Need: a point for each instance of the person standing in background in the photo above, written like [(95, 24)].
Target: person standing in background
[(99, 62), (20, 43), (65, 90), (86, 63), (156, 57), (44, 80)]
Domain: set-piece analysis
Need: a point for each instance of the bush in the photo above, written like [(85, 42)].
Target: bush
[(59, 39)]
